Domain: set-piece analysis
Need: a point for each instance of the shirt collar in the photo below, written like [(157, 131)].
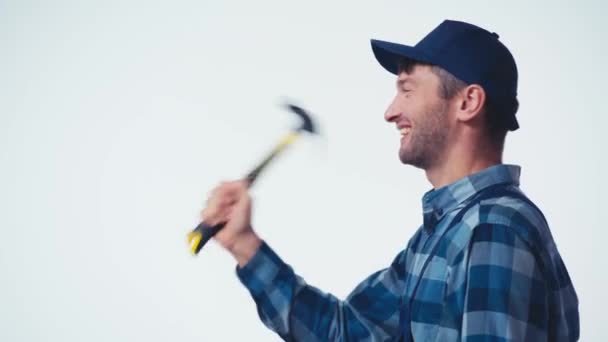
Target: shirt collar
[(437, 202)]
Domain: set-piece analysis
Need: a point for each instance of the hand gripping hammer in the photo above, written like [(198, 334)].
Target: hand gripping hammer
[(198, 237)]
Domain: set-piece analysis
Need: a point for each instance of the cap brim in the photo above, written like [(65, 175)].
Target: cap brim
[(390, 54)]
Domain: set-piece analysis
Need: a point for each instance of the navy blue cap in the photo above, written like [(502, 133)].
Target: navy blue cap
[(472, 54)]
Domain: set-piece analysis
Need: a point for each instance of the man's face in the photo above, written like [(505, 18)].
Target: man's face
[(421, 117)]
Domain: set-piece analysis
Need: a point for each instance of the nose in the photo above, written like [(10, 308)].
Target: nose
[(392, 112)]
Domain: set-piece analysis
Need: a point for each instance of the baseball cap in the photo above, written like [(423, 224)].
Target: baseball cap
[(470, 53)]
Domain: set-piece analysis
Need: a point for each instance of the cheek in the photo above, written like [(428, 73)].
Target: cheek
[(416, 108)]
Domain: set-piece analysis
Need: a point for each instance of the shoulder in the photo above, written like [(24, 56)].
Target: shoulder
[(511, 208), (512, 211)]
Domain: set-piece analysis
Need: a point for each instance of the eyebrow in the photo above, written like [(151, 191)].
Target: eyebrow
[(401, 82)]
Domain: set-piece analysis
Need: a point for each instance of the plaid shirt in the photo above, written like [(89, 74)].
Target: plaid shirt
[(480, 268)]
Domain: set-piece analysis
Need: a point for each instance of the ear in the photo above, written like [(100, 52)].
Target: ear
[(471, 101)]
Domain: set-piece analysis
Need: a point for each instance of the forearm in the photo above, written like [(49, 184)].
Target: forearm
[(286, 304), (298, 311)]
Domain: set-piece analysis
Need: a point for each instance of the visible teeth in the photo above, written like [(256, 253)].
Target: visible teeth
[(405, 130)]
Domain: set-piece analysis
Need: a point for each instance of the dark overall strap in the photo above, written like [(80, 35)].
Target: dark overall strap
[(494, 191)]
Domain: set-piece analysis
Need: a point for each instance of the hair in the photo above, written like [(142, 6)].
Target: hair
[(450, 85)]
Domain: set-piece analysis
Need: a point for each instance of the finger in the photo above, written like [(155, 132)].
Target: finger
[(222, 199), (229, 188), (217, 218), (219, 210), (206, 215), (219, 196), (236, 187)]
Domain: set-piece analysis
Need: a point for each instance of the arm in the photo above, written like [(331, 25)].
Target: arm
[(300, 312), (505, 296), (286, 304)]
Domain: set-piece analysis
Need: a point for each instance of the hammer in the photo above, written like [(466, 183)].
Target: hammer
[(198, 237)]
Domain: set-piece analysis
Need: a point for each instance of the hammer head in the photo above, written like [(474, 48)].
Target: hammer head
[(307, 124)]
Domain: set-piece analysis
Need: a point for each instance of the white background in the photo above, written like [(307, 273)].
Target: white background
[(117, 118)]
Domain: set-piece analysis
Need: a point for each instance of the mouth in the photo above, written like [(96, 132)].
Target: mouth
[(404, 131)]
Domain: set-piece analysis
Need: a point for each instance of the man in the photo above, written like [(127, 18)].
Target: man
[(482, 267)]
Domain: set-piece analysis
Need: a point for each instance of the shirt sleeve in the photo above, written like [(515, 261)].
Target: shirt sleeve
[(505, 296), (297, 311)]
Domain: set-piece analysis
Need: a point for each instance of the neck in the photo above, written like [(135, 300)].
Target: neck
[(460, 162)]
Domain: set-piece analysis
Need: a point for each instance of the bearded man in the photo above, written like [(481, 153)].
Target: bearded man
[(483, 266)]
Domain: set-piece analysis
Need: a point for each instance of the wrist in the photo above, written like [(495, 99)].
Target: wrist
[(244, 247)]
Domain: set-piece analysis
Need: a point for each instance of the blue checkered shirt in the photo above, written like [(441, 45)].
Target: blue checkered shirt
[(482, 267)]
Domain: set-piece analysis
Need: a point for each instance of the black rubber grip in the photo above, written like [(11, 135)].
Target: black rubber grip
[(207, 232)]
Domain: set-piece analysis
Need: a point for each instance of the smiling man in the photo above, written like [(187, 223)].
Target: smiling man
[(483, 266)]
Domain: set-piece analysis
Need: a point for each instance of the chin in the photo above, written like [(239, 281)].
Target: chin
[(409, 159), (405, 158)]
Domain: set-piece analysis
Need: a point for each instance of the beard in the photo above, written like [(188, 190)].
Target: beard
[(427, 139)]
